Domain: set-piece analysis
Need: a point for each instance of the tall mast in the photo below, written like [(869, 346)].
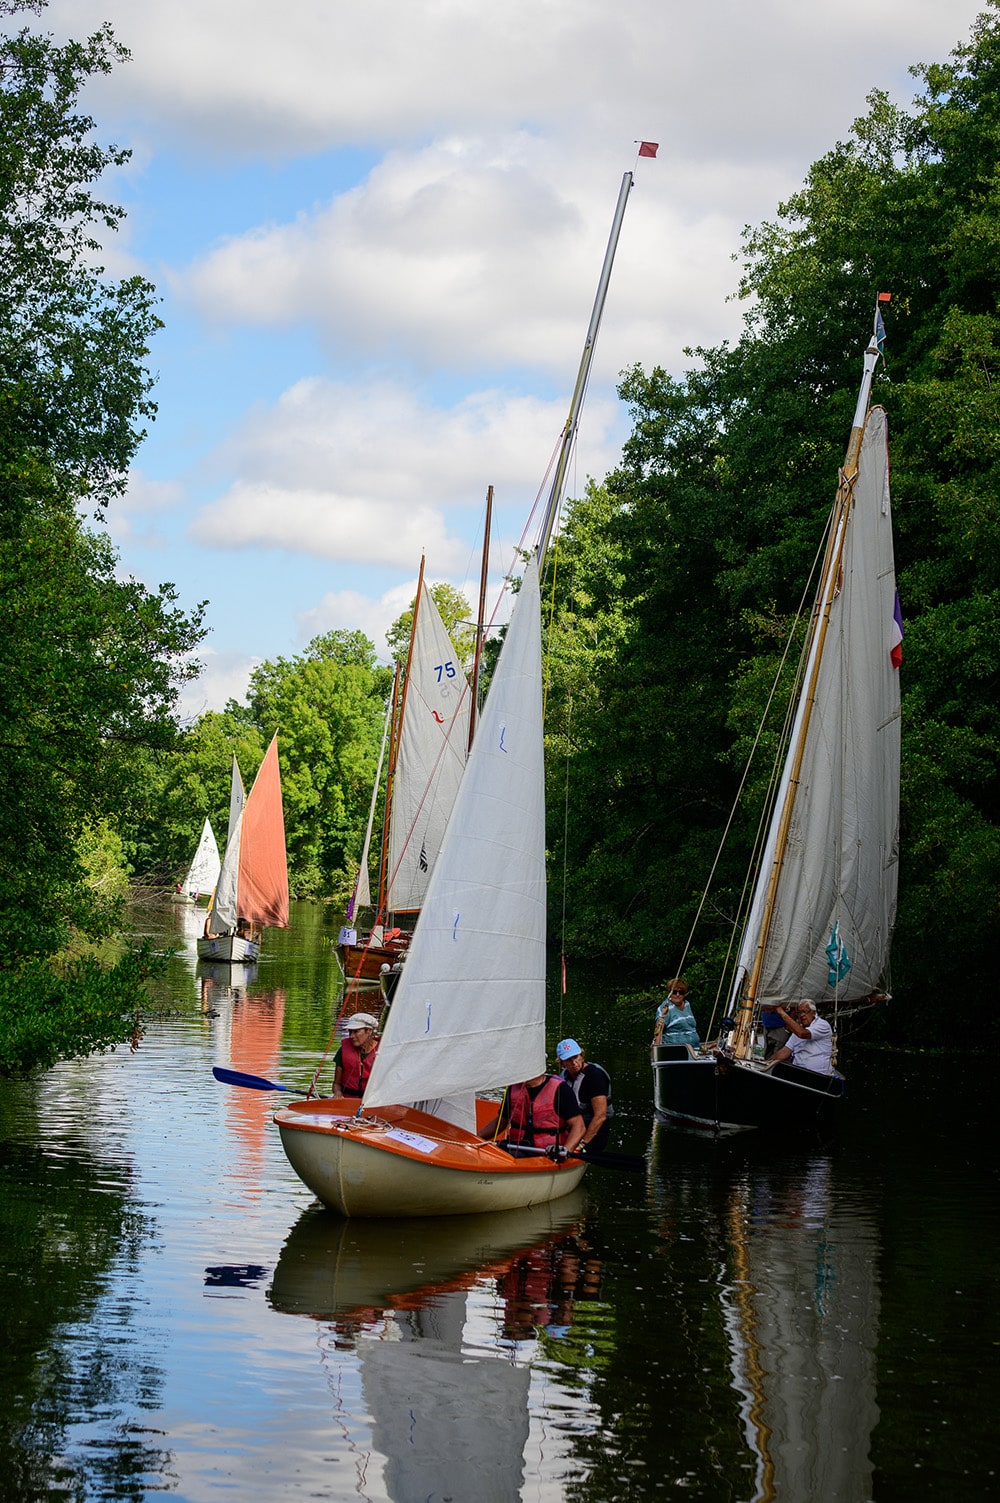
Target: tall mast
[(583, 375), (828, 589), (480, 619)]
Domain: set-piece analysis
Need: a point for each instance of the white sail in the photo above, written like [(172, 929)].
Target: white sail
[(226, 899), (840, 866), (225, 902), (469, 1010), (203, 872), (430, 760), (237, 798)]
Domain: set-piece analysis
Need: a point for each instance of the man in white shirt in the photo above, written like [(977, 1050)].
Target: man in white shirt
[(811, 1044)]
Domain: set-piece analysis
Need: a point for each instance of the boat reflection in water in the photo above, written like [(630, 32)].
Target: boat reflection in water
[(798, 1296), (436, 1311)]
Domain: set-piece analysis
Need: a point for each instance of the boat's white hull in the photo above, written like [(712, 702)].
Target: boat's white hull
[(411, 1164), (227, 947)]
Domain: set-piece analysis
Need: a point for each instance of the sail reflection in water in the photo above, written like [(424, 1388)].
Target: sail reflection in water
[(442, 1316), (799, 1301)]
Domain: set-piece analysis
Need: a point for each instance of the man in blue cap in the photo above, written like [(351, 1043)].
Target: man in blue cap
[(591, 1085)]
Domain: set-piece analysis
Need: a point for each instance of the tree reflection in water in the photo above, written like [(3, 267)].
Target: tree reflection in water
[(66, 1220)]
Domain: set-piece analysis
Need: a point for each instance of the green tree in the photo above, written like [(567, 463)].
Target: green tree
[(90, 664), (327, 705)]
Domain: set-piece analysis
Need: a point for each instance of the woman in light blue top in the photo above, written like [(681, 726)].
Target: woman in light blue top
[(675, 1022)]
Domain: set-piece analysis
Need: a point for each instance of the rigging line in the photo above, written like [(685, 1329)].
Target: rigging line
[(562, 993), (806, 591)]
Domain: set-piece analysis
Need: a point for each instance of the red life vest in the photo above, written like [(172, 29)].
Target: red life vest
[(354, 1070), (538, 1118)]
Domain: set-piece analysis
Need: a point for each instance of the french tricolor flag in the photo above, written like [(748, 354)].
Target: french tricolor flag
[(896, 635)]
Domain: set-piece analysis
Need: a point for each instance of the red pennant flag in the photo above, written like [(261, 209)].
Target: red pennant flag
[(648, 148)]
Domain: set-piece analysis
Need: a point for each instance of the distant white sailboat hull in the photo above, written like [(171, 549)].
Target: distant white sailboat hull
[(407, 1163)]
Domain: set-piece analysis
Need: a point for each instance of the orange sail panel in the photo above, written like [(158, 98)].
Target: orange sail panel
[(263, 879)]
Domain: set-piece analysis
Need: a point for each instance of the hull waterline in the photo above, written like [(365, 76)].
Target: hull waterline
[(404, 1162), (721, 1094)]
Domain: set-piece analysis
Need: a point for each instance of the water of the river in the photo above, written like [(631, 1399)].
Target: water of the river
[(741, 1321)]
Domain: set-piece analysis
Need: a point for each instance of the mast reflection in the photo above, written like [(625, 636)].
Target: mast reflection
[(798, 1295)]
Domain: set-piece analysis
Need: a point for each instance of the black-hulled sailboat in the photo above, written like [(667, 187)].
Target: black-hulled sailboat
[(820, 919)]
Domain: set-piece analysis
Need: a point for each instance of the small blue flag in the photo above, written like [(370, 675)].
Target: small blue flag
[(837, 956)]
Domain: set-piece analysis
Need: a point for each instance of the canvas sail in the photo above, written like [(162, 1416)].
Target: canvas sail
[(203, 872), (469, 1011), (224, 903), (430, 759), (262, 884), (841, 863), (237, 798)]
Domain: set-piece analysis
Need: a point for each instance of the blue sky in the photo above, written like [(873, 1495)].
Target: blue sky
[(377, 228)]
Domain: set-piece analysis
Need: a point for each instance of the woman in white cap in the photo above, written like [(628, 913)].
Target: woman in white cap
[(352, 1063)]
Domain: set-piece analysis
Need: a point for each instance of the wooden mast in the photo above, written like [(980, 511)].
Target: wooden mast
[(828, 589), (480, 619)]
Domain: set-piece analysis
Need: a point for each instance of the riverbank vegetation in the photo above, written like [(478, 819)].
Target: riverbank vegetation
[(679, 574), (91, 663)]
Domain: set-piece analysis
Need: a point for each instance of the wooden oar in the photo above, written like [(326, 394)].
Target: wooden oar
[(252, 1082)]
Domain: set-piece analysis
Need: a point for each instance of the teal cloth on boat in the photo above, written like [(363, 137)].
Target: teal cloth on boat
[(679, 1026), (837, 957)]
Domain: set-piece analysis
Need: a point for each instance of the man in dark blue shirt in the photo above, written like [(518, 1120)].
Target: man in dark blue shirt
[(591, 1086)]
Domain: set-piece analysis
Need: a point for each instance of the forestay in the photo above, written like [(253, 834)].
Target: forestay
[(840, 866), (469, 1010)]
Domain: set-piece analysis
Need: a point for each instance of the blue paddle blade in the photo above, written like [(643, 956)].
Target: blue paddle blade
[(251, 1082)]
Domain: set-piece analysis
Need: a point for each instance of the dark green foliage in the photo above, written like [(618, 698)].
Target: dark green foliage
[(327, 705), (51, 1011), (89, 664), (680, 577)]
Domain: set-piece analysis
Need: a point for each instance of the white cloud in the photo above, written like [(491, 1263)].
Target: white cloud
[(370, 473), (226, 676), (471, 253), (247, 77), (133, 515), (353, 611)]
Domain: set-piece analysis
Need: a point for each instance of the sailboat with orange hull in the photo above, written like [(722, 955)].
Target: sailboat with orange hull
[(468, 1013)]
